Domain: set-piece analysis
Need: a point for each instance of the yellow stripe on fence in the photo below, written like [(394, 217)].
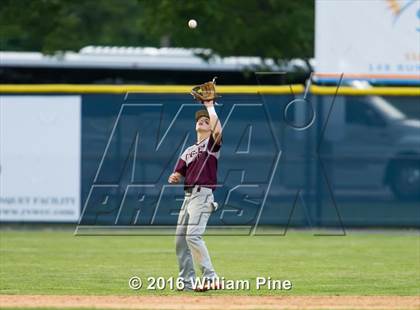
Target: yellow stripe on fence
[(185, 89), (154, 89), (378, 91)]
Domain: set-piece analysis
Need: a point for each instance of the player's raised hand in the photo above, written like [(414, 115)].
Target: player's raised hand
[(174, 178)]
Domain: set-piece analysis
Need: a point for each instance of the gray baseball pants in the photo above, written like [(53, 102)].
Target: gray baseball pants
[(190, 247)]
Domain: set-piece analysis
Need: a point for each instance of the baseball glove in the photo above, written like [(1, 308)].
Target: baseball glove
[(206, 91)]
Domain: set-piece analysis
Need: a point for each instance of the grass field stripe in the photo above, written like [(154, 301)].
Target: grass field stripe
[(365, 263)]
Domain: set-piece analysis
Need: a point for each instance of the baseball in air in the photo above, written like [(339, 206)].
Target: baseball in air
[(192, 23)]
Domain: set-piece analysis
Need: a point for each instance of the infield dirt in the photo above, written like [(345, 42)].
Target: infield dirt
[(211, 302)]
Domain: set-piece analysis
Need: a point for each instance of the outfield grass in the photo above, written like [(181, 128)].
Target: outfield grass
[(56, 262)]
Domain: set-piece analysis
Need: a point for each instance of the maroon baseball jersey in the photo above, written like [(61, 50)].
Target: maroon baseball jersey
[(198, 163)]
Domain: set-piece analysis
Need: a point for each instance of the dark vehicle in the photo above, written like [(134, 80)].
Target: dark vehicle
[(370, 143)]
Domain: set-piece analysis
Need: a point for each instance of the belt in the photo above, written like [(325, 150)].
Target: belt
[(190, 189)]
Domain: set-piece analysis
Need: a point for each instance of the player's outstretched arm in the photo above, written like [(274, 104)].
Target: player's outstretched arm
[(215, 124)]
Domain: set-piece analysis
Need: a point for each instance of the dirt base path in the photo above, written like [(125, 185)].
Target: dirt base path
[(212, 302)]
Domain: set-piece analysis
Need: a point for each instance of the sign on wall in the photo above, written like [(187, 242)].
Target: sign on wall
[(40, 158), (375, 40)]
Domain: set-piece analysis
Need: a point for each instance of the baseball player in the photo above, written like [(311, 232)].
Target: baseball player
[(198, 166)]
